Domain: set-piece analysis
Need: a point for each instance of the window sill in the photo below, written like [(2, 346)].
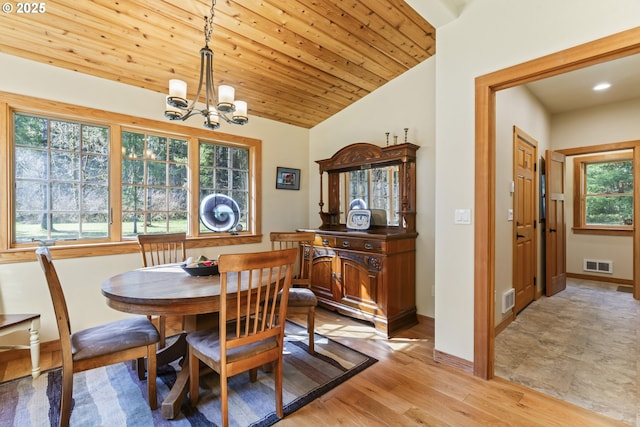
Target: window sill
[(27, 254), (604, 231)]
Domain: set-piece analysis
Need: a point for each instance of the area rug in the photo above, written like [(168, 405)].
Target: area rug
[(113, 396)]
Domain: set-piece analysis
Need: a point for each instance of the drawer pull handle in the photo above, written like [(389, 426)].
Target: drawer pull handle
[(346, 244), (325, 241), (368, 246)]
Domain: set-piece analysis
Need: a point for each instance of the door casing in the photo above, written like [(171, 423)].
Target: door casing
[(598, 51)]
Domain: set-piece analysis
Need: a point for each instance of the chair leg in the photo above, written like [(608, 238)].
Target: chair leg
[(224, 403), (66, 396), (278, 387), (151, 376), (194, 378), (140, 367), (311, 320), (162, 330)]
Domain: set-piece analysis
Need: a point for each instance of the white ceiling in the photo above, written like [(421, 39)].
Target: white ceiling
[(572, 91)]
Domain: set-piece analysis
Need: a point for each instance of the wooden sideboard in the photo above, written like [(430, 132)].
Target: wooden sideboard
[(366, 275)]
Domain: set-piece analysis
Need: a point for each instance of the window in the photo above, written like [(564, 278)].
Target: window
[(154, 184), (224, 180), (603, 192), (90, 180), (61, 179)]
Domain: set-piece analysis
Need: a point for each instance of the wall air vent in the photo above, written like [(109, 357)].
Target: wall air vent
[(598, 266), (508, 300)]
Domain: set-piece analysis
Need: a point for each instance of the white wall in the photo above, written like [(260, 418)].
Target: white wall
[(514, 107), (490, 35), (407, 101), (616, 122), (22, 285)]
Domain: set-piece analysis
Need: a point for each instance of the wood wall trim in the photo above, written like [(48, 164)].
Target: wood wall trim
[(24, 353), (605, 279), (600, 148), (504, 323), (636, 218), (453, 361), (605, 49)]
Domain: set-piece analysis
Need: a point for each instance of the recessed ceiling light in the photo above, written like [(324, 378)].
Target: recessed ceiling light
[(602, 86)]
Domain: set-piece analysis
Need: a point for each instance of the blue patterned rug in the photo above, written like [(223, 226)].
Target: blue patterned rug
[(113, 396)]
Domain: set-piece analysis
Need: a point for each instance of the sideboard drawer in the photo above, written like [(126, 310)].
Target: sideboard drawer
[(325, 241), (359, 244)]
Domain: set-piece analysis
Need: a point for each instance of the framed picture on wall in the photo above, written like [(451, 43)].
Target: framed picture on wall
[(287, 178)]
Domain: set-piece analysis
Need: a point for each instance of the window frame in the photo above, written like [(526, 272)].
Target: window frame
[(117, 122), (579, 195)]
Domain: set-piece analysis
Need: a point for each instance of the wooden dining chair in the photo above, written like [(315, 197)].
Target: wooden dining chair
[(301, 297), (250, 332), (123, 340), (165, 248)]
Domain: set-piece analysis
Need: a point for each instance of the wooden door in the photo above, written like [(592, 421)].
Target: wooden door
[(525, 259), (555, 237)]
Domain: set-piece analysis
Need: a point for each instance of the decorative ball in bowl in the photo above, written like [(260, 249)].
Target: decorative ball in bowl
[(200, 267)]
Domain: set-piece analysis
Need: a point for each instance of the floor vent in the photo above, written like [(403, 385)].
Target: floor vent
[(598, 266), (508, 300)]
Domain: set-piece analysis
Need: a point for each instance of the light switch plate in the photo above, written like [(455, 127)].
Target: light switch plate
[(462, 216), (510, 215)]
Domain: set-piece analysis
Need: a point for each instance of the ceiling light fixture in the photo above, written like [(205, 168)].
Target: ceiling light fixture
[(178, 108), (602, 86)]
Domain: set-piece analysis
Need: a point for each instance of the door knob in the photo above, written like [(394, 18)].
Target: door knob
[(552, 230)]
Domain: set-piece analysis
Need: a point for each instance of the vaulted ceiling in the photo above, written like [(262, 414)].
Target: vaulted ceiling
[(293, 61)]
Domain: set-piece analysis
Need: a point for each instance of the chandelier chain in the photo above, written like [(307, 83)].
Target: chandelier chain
[(208, 24), (224, 106)]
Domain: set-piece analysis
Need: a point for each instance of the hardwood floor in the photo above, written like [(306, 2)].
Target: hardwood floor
[(406, 387)]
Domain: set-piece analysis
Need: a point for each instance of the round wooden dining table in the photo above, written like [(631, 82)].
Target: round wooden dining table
[(162, 290), (166, 290)]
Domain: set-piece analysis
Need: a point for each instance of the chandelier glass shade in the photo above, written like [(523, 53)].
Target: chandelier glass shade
[(223, 106)]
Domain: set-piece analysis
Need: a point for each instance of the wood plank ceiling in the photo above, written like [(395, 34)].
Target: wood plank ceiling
[(293, 61)]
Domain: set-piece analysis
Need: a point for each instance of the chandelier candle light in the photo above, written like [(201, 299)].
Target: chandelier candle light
[(178, 108)]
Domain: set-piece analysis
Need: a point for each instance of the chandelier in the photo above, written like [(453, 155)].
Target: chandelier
[(224, 106)]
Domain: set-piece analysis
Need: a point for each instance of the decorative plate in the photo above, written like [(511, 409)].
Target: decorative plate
[(219, 212), (358, 219)]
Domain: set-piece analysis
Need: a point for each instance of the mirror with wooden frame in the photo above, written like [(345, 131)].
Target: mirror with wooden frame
[(366, 176)]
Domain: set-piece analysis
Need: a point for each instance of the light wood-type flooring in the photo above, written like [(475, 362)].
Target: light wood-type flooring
[(407, 388), (580, 345)]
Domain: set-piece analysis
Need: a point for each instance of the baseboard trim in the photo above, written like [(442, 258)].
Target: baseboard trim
[(453, 361), (505, 322), (45, 347), (428, 322), (628, 282)]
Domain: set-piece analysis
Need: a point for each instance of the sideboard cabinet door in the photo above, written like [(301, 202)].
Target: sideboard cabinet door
[(359, 281)]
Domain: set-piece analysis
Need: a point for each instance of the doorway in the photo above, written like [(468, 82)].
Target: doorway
[(602, 50)]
